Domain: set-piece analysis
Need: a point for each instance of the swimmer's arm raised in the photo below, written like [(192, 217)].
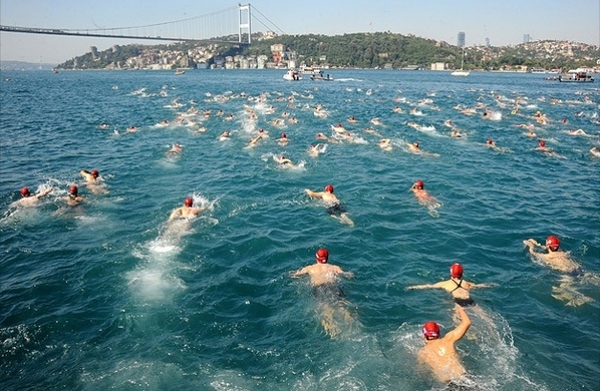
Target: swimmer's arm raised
[(461, 329), (531, 243), (43, 193), (313, 193)]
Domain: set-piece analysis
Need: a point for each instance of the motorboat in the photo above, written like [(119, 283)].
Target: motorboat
[(179, 71), (320, 76), (576, 76), (292, 75)]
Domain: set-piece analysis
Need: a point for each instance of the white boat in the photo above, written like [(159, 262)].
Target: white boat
[(292, 75), (461, 71), (179, 71), (576, 76), (320, 76)]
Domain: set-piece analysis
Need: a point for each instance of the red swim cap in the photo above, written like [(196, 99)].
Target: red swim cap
[(542, 143), (25, 192), (329, 189), (456, 270), (188, 202), (322, 255), (419, 185), (95, 173), (431, 329), (73, 190), (283, 135), (490, 141), (552, 243)]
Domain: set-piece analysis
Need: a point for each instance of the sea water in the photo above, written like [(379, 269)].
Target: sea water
[(108, 296)]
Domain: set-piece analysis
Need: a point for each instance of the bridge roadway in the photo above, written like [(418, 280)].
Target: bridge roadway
[(30, 30)]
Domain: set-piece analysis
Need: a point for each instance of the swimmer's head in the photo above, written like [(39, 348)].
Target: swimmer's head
[(552, 243), (73, 190), (95, 173), (261, 130), (490, 141), (416, 144), (456, 270), (188, 202), (283, 135), (431, 330), (419, 185), (328, 189), (25, 192), (322, 255), (542, 143)]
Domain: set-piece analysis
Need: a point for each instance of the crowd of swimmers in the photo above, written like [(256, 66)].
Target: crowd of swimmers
[(438, 352)]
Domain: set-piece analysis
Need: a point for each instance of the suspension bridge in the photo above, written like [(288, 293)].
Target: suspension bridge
[(230, 25)]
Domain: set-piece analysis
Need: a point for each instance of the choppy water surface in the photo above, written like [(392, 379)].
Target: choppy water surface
[(107, 297)]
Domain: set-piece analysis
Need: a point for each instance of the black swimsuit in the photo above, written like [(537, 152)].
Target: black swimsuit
[(462, 302), (328, 292), (336, 209)]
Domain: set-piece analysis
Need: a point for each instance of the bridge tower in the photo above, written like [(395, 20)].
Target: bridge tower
[(245, 19)]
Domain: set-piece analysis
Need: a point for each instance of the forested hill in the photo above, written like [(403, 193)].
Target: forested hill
[(363, 50), (356, 50)]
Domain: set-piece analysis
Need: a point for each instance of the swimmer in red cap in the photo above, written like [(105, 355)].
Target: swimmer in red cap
[(93, 181), (73, 198), (554, 257), (331, 298), (559, 260), (456, 286), (188, 210), (29, 199), (283, 140), (424, 198), (333, 204), (439, 353)]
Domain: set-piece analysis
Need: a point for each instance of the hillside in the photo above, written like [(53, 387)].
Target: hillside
[(357, 50)]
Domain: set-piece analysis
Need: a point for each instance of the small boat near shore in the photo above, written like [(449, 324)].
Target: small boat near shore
[(179, 71), (320, 76), (292, 75), (576, 76)]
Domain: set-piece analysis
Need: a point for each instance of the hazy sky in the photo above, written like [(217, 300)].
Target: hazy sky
[(502, 21)]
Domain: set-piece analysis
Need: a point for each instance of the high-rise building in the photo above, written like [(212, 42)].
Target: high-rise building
[(460, 42), (526, 38), (487, 42)]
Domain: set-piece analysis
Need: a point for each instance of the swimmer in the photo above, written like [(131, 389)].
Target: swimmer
[(292, 120), (103, 125), (373, 131), (324, 279), (385, 144), (334, 206), (376, 121), (554, 258), (132, 129), (448, 123), (315, 150), (224, 136), (414, 147), (352, 119), (256, 138), (73, 198), (439, 354), (492, 145), (339, 128), (456, 286), (455, 133), (284, 161), (283, 140), (595, 152), (560, 261), (188, 210), (93, 181), (164, 122), (531, 134), (29, 199), (176, 148), (90, 177), (542, 147), (398, 109), (425, 199), (578, 132)]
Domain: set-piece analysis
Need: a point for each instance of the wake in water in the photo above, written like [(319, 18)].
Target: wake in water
[(156, 279)]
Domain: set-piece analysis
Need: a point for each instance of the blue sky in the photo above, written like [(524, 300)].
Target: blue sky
[(502, 21)]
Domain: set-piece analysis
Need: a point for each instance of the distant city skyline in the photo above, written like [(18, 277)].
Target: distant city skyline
[(501, 23)]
